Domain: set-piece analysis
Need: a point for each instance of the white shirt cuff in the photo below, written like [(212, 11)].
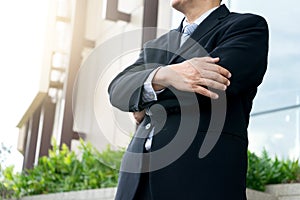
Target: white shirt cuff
[(149, 94)]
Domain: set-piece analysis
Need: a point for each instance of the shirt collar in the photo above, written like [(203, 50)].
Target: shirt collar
[(201, 18)]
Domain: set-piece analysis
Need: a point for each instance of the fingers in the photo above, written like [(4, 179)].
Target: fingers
[(209, 63), (212, 84), (221, 70), (214, 76), (208, 69), (139, 116), (205, 92), (210, 59), (211, 75)]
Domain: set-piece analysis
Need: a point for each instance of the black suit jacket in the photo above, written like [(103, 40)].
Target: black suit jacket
[(241, 42)]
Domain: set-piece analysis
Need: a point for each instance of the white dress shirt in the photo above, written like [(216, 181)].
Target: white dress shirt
[(149, 94)]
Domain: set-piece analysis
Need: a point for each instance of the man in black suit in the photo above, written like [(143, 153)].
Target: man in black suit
[(186, 87)]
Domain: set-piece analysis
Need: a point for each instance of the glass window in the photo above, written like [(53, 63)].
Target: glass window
[(276, 127), (275, 119)]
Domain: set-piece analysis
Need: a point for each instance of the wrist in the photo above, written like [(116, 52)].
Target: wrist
[(160, 79)]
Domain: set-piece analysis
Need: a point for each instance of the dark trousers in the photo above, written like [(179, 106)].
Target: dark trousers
[(143, 191)]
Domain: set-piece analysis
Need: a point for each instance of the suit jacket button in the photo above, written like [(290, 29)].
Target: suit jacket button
[(148, 126)]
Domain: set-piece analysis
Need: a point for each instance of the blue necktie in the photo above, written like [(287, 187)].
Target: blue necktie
[(187, 32)]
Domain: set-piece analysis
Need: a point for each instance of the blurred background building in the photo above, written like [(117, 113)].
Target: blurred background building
[(68, 105)]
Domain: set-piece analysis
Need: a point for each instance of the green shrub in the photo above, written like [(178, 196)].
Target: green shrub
[(264, 170), (5, 185), (63, 171)]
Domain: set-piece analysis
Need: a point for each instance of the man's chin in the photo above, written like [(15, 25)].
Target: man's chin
[(175, 4)]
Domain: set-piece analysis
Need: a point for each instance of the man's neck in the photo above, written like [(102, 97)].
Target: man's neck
[(195, 11)]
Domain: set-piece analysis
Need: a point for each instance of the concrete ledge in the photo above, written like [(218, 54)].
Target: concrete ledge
[(256, 195), (273, 192), (289, 198), (103, 194), (285, 191), (290, 189)]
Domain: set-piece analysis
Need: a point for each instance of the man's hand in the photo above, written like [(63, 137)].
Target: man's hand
[(193, 75), (139, 116)]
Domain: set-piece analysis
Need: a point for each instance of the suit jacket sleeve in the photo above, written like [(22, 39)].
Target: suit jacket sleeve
[(125, 91), (243, 50)]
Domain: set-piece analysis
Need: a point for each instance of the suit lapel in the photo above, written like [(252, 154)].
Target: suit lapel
[(173, 42), (208, 24)]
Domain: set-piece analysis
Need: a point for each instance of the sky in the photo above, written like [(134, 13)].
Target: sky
[(22, 39)]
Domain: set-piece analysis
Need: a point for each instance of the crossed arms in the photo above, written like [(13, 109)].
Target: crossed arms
[(237, 64)]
